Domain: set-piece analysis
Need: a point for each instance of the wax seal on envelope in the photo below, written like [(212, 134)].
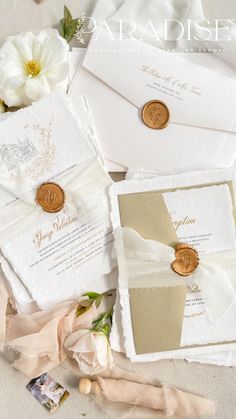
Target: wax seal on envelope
[(186, 261), (50, 197), (155, 114)]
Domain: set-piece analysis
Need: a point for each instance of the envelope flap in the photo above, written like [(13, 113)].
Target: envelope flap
[(139, 72)]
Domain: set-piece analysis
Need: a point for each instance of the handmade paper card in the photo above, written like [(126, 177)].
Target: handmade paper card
[(201, 209), (55, 228)]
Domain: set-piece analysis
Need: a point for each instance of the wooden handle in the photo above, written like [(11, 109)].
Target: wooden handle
[(87, 386)]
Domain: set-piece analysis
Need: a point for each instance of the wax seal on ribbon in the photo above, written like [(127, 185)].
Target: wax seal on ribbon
[(214, 275), (50, 197), (186, 259), (155, 114)]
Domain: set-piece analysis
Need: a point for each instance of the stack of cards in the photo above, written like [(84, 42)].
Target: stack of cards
[(51, 254), (159, 313)]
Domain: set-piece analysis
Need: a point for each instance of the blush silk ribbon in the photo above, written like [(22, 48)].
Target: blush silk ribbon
[(35, 344), (215, 275)]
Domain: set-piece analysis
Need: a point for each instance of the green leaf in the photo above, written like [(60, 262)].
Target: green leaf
[(99, 322), (73, 25), (92, 295), (69, 26), (100, 318), (99, 300), (67, 14), (81, 310), (86, 303), (68, 33), (106, 329), (78, 23), (103, 319), (61, 28)]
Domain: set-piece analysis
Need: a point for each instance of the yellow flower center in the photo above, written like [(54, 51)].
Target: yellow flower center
[(33, 68)]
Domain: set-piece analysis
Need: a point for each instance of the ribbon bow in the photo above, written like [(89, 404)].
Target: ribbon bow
[(214, 274)]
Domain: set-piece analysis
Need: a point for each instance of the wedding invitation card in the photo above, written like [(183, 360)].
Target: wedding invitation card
[(164, 314), (57, 256)]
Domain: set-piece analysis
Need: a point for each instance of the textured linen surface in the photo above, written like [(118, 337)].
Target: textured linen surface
[(213, 382)]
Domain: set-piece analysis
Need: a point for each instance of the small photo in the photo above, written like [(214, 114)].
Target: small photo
[(48, 392)]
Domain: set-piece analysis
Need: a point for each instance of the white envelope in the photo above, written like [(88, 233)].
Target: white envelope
[(75, 59), (119, 77)]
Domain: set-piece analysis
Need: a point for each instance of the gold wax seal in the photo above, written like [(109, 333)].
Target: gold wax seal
[(155, 114), (50, 197), (186, 259)]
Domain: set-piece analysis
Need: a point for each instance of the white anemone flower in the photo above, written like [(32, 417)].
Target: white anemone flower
[(32, 66)]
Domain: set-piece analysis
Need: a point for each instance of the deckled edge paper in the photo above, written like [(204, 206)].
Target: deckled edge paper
[(166, 182)]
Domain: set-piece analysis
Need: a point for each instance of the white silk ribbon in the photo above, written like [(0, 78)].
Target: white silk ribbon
[(215, 274), (85, 194)]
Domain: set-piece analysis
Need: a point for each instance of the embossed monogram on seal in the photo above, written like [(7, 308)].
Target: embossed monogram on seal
[(50, 197), (155, 114), (186, 261)]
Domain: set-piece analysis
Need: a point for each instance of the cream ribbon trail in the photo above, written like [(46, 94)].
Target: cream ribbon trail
[(214, 275)]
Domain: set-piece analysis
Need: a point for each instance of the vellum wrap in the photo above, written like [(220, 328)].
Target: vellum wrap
[(85, 198), (85, 193), (153, 296)]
